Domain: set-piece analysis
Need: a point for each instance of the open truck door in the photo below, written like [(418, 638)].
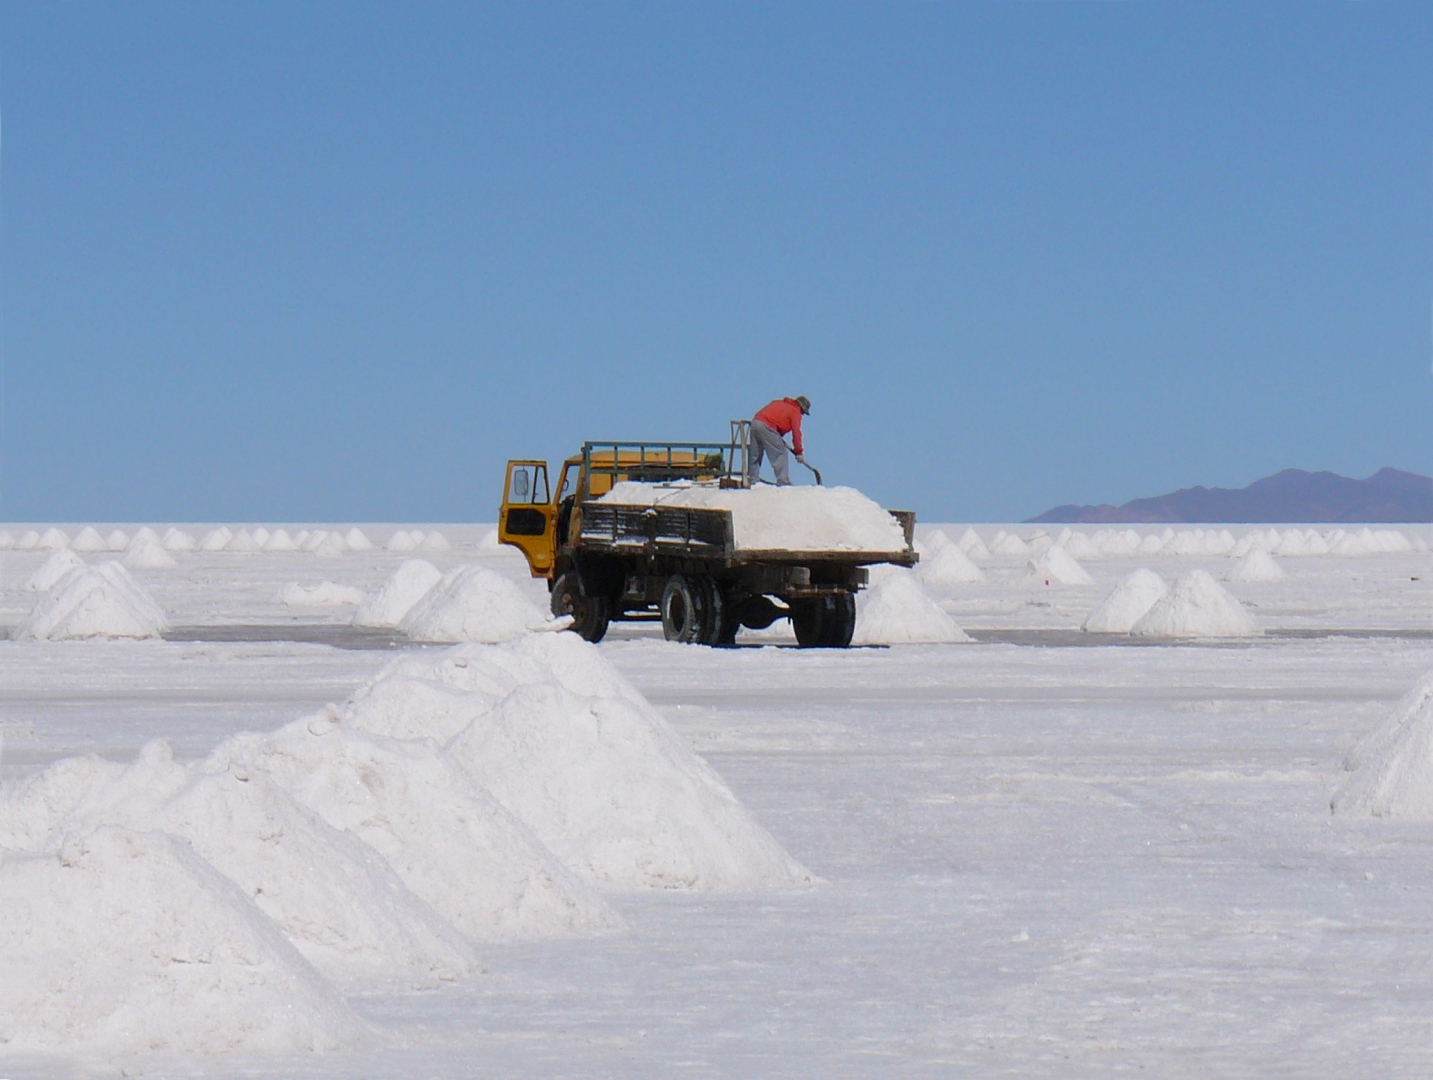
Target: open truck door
[(528, 517)]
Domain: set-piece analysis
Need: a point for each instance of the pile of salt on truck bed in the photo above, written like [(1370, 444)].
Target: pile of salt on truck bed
[(672, 530)]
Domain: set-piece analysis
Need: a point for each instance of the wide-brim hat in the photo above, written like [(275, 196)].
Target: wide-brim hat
[(805, 403)]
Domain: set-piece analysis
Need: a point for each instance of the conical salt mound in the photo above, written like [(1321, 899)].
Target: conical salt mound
[(1197, 607), (55, 567), (949, 565), (1393, 767), (1057, 567), (89, 541), (117, 540), (178, 540), (95, 601), (148, 556), (1258, 565), (972, 545), (473, 603), (1130, 602), (897, 611), (357, 541), (399, 594)]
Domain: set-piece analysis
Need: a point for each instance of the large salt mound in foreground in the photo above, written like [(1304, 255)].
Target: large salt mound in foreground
[(1197, 607), (578, 755), (123, 940), (97, 601), (446, 838), (897, 611), (334, 897), (399, 594), (473, 603), (794, 518), (1393, 767), (1127, 604), (53, 570)]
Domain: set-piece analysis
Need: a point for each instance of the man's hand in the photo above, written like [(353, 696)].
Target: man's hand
[(801, 459)]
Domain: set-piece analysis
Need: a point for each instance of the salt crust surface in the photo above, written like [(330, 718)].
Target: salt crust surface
[(897, 611), (129, 941), (792, 518), (403, 589), (1392, 769), (473, 603), (1197, 606), (94, 601), (1131, 599), (325, 594)]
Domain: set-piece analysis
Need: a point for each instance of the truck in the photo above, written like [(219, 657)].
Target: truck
[(638, 559)]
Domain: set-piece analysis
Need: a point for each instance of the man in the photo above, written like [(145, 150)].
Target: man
[(767, 429)]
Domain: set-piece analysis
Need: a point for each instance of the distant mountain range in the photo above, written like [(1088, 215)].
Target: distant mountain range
[(1293, 495)]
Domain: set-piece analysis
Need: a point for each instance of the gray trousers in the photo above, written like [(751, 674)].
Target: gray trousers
[(766, 443)]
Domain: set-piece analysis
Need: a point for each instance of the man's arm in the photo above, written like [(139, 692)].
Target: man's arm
[(796, 435)]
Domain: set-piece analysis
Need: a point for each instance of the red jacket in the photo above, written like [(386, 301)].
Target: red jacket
[(783, 416)]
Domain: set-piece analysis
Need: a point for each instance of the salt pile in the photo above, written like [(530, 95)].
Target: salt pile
[(1082, 547), (1258, 565), (950, 566), (490, 541), (793, 518), (402, 540), (29, 541), (178, 540), (55, 567), (331, 895), (98, 601), (357, 541), (1038, 542), (403, 589), (243, 542), (972, 545), (117, 540), (445, 837), (144, 536), (1117, 544), (436, 541), (1197, 607), (581, 758), (1393, 768), (930, 542), (280, 540), (330, 547), (1057, 567), (1150, 545), (472, 603), (127, 940), (326, 594), (148, 556), (7, 541), (216, 539), (1127, 604), (897, 611), (1006, 544), (54, 538), (89, 541)]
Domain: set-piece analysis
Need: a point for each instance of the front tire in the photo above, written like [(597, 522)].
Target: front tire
[(589, 613)]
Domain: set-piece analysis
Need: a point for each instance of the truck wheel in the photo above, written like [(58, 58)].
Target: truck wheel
[(838, 621), (683, 609), (714, 613), (589, 613), (827, 622)]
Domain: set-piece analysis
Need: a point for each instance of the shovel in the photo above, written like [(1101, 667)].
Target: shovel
[(815, 470)]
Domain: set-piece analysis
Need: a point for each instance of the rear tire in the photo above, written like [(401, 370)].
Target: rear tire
[(825, 622), (683, 609), (589, 613)]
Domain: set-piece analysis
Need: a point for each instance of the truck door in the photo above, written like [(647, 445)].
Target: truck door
[(528, 517)]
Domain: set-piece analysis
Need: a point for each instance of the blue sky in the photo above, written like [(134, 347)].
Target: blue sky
[(339, 261)]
